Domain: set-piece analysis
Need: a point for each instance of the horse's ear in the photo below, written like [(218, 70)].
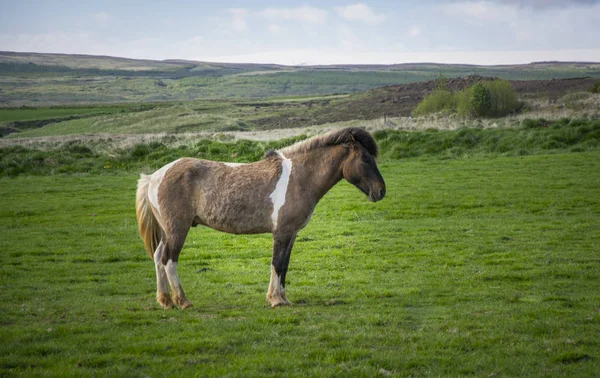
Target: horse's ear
[(350, 141), (269, 154)]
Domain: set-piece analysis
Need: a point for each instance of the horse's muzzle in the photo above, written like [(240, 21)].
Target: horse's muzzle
[(375, 195)]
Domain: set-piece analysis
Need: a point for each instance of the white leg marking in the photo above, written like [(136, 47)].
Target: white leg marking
[(171, 269), (275, 288), (278, 195), (162, 283), (155, 181)]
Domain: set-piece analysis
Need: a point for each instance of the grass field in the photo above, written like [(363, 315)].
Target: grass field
[(483, 267)]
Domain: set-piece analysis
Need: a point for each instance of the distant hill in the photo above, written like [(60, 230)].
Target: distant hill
[(57, 79)]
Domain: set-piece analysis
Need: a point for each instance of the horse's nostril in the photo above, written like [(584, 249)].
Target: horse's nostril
[(382, 193)]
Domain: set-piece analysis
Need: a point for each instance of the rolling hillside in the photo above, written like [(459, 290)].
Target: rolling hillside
[(57, 79)]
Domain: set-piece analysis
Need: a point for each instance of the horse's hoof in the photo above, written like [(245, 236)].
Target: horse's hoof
[(276, 302), (182, 302), (165, 301)]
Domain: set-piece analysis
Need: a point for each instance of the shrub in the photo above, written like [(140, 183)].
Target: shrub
[(439, 100), (495, 98), (503, 98), (463, 103), (596, 87), (529, 123), (481, 100)]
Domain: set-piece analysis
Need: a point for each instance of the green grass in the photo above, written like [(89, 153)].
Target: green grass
[(28, 114), (196, 116), (483, 267), (535, 136)]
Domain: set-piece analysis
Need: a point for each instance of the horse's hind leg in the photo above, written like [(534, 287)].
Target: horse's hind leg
[(174, 243), (162, 284)]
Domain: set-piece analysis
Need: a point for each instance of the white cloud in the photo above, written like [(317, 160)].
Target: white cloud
[(275, 28), (512, 26), (414, 32), (480, 12), (541, 4), (68, 43), (101, 17), (238, 19), (306, 14), (348, 38), (360, 12)]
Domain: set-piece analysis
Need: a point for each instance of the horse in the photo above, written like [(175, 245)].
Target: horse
[(277, 195)]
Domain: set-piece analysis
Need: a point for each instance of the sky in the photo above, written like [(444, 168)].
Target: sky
[(308, 32)]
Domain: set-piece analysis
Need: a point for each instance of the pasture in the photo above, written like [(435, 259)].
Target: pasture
[(481, 266)]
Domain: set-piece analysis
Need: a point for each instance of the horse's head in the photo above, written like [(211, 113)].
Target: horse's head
[(360, 169)]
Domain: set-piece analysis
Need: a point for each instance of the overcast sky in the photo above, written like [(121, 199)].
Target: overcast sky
[(308, 32)]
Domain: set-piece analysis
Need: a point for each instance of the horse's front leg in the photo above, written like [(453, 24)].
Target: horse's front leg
[(282, 249)]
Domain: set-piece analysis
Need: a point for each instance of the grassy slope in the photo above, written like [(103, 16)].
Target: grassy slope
[(60, 79), (222, 115), (103, 155), (183, 117), (483, 267)]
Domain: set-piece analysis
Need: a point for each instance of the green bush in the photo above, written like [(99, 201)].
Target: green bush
[(495, 98), (481, 100), (529, 123), (596, 87), (439, 100), (503, 98)]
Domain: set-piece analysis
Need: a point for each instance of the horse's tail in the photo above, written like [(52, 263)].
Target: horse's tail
[(150, 229)]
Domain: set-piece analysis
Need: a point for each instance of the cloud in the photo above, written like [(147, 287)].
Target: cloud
[(415, 31), (540, 4), (360, 12), (510, 26), (305, 14), (480, 11), (275, 28), (63, 42), (348, 38), (238, 19), (100, 17)]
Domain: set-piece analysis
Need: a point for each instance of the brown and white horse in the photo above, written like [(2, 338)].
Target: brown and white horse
[(277, 194)]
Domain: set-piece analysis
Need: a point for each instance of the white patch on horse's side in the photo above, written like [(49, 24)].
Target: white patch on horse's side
[(155, 180), (278, 195), (233, 165)]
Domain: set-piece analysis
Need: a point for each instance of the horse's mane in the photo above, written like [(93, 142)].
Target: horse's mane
[(334, 138)]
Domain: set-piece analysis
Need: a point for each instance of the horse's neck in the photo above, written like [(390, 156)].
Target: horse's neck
[(323, 168)]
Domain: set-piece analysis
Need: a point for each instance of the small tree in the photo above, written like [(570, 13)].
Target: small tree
[(503, 98), (464, 109), (436, 101), (481, 100)]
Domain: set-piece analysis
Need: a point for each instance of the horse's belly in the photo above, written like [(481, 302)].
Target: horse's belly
[(236, 220)]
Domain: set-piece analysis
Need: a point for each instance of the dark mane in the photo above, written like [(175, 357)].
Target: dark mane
[(334, 138)]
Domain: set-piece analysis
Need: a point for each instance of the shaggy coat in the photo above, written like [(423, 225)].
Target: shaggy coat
[(277, 195)]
